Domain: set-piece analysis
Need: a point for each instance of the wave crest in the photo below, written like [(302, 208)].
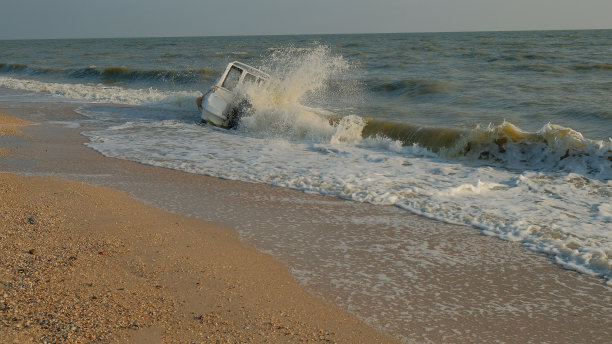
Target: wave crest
[(553, 147), (115, 74), (598, 66)]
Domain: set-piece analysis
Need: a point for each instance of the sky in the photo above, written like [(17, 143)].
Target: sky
[(31, 19)]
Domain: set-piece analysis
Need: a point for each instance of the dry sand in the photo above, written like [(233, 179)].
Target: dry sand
[(83, 264)]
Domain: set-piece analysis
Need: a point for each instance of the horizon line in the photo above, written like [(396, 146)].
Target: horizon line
[(298, 34)]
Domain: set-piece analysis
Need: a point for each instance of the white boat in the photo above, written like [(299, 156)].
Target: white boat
[(225, 103)]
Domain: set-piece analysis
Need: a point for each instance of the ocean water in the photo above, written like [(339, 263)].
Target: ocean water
[(508, 132)]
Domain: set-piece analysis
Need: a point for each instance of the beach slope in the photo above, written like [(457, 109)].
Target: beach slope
[(82, 263)]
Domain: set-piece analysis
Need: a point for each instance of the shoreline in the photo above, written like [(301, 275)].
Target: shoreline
[(87, 263), (499, 284)]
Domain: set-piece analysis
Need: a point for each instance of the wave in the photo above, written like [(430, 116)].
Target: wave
[(19, 68), (435, 139), (521, 56), (410, 88), (99, 93), (296, 73), (114, 74), (279, 111), (356, 45), (553, 147), (598, 66), (540, 67)]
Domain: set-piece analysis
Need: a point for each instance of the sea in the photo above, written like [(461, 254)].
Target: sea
[(509, 133)]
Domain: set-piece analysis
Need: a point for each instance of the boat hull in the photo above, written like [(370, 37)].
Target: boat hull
[(215, 106), (224, 104)]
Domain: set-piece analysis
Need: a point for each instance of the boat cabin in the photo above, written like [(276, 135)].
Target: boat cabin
[(222, 105), (237, 73)]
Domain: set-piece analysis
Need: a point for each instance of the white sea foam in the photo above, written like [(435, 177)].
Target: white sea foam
[(480, 188), (65, 124), (299, 76), (103, 93), (562, 214)]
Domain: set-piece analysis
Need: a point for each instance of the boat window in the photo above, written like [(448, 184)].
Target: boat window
[(232, 78), (250, 78)]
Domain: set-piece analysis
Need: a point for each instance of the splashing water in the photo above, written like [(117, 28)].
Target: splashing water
[(290, 107), (299, 78)]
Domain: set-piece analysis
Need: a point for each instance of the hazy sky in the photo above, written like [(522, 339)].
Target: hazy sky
[(153, 18)]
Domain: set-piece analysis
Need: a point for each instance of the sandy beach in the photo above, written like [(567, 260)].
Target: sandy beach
[(87, 263)]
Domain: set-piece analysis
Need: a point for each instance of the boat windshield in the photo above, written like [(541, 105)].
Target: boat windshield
[(232, 78), (251, 79)]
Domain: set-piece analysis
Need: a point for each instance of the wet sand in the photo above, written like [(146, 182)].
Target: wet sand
[(458, 285)]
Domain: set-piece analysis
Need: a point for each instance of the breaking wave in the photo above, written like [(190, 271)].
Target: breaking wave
[(100, 93), (287, 106), (282, 109), (553, 147)]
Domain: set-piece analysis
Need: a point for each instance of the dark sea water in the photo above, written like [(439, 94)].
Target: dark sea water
[(509, 132)]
